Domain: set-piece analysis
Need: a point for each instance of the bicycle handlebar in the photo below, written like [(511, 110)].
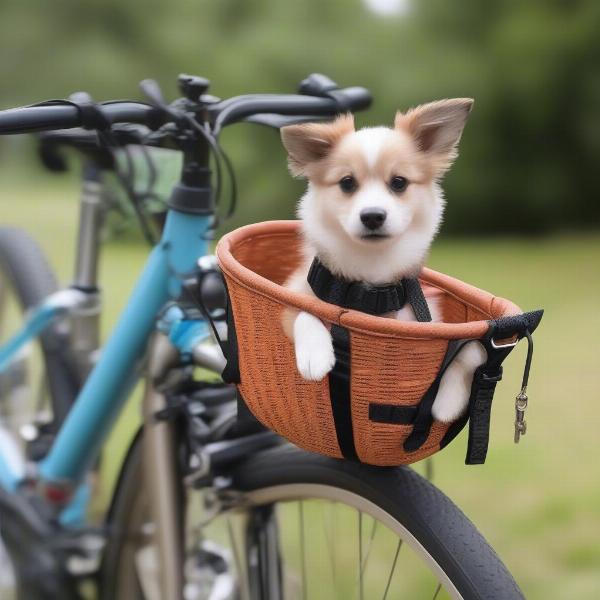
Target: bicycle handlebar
[(89, 144), (240, 107), (320, 98)]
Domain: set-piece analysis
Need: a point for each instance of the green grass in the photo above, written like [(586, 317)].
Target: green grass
[(537, 503)]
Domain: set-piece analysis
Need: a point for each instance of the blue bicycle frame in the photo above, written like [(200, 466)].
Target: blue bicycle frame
[(87, 425)]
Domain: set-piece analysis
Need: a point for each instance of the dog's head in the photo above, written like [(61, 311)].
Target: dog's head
[(376, 189)]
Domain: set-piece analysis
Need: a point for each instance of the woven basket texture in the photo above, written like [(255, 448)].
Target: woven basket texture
[(393, 362)]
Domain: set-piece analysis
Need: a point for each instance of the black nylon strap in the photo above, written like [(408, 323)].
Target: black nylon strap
[(480, 411), (374, 300), (231, 372), (507, 327), (416, 298), (487, 376), (482, 389), (394, 414), (423, 421), (339, 392)]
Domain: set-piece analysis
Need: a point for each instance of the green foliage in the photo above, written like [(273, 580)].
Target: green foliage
[(528, 155)]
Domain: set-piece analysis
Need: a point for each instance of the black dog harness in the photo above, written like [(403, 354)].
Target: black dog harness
[(371, 299)]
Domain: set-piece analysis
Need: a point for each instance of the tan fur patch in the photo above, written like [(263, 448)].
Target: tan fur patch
[(311, 142), (398, 156), (436, 128)]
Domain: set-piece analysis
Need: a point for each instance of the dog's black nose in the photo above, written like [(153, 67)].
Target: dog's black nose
[(373, 218)]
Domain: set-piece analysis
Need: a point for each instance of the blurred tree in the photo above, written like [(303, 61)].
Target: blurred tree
[(528, 156)]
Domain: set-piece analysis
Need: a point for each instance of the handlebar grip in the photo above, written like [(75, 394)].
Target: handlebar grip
[(38, 118), (47, 117)]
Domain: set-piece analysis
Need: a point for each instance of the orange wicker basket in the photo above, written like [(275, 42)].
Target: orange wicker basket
[(392, 362)]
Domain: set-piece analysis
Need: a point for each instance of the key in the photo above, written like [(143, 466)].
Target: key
[(520, 406)]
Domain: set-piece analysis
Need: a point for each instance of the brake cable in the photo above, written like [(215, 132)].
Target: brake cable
[(127, 181)]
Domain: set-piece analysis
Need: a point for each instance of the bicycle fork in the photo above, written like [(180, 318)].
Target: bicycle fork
[(161, 474)]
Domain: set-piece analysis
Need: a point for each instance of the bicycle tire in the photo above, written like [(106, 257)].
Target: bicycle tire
[(28, 272), (430, 517), (422, 509)]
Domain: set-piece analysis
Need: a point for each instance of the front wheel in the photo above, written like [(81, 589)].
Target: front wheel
[(294, 525)]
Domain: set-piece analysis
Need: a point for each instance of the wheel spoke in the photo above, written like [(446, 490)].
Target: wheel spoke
[(437, 591), (368, 552), (360, 558), (389, 581), (302, 549), (330, 534)]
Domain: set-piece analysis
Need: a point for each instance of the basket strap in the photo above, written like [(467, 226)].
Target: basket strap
[(484, 384), (423, 420), (339, 392), (392, 413), (487, 376), (231, 372), (480, 413)]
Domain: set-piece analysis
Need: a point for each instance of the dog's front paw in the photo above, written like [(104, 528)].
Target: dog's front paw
[(453, 394), (313, 347), (449, 407)]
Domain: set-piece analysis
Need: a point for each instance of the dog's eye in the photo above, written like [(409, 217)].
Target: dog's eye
[(398, 184), (348, 184)]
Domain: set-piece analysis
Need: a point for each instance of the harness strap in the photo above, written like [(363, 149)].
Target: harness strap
[(371, 299), (375, 300), (339, 392), (416, 299)]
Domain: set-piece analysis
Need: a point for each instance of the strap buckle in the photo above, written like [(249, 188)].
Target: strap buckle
[(486, 377), (497, 346)]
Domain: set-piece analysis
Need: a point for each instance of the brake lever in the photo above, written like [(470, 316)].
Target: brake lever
[(278, 121)]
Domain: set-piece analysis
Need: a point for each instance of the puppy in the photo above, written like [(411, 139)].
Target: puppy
[(370, 213)]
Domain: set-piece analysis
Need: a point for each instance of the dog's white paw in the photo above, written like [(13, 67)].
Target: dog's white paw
[(313, 347), (455, 388)]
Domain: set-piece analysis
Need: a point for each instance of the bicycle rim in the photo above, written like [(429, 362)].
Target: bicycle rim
[(330, 543), (310, 550)]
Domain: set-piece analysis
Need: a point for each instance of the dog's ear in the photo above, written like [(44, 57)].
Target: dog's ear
[(310, 142), (436, 128)]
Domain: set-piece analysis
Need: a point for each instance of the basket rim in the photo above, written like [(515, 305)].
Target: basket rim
[(493, 306)]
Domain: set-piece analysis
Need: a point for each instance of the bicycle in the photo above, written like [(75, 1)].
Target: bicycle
[(208, 504)]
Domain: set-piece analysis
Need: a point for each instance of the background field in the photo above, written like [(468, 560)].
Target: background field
[(523, 217), (537, 503)]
